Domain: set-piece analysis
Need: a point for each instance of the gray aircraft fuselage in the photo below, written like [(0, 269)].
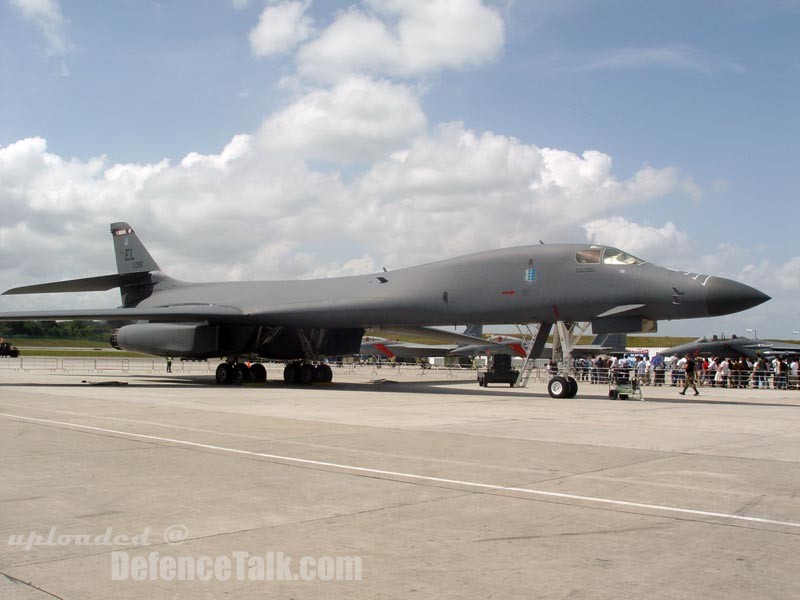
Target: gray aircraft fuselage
[(487, 287)]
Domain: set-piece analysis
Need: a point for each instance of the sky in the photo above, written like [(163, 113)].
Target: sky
[(253, 139)]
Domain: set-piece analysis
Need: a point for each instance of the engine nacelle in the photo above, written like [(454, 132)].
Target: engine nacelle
[(168, 339)]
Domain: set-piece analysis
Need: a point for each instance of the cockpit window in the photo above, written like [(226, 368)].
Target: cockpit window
[(590, 256), (612, 256)]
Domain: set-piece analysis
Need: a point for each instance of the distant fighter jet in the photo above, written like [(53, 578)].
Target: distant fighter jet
[(515, 346), (734, 347), (385, 348), (303, 321)]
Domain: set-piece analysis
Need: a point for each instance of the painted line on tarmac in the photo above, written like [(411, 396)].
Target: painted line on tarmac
[(416, 477)]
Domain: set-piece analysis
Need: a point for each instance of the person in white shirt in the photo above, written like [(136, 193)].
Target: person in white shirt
[(641, 371), (713, 365), (723, 373), (678, 373)]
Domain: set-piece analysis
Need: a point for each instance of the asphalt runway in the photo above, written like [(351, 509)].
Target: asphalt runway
[(393, 485)]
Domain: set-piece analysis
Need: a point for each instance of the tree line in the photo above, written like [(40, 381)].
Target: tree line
[(73, 330)]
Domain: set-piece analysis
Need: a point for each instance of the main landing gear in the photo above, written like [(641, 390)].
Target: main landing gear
[(304, 373), (239, 373), (297, 373)]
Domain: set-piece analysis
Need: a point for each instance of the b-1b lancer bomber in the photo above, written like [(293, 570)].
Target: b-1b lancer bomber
[(301, 322)]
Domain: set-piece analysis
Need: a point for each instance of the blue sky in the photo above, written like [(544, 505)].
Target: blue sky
[(337, 137)]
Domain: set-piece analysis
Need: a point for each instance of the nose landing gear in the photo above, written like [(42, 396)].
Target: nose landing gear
[(562, 387)]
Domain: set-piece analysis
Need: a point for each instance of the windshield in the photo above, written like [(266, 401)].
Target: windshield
[(588, 256), (613, 256)]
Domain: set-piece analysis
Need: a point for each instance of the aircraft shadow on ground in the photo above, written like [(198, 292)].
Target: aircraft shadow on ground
[(379, 385)]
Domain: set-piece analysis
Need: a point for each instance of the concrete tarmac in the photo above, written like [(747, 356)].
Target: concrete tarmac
[(384, 485)]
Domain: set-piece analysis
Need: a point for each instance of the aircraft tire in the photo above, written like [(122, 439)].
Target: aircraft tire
[(323, 373), (241, 373), (258, 373), (305, 374), (224, 374), (573, 387), (558, 387), (290, 374)]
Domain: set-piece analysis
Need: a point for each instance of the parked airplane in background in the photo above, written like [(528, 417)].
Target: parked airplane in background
[(302, 321), (505, 344), (389, 349), (734, 346)]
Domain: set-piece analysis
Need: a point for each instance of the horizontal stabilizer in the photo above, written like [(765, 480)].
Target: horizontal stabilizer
[(434, 334), (87, 284), (184, 312)]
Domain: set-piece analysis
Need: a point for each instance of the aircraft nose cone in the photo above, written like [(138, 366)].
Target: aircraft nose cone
[(724, 296)]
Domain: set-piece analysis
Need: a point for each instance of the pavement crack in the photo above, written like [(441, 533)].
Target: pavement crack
[(752, 503), (17, 580), (594, 471), (577, 533)]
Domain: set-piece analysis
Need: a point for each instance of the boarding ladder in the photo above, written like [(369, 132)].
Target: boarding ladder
[(534, 345), (528, 363)]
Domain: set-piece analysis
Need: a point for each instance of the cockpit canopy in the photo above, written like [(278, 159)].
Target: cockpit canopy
[(594, 255), (714, 338)]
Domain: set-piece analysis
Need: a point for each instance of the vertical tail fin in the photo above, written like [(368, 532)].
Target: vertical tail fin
[(132, 256), (135, 264), (615, 341), (474, 330)]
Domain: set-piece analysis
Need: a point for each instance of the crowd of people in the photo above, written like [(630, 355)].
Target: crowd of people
[(778, 373)]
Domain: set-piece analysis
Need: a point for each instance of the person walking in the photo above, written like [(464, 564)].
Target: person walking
[(689, 370)]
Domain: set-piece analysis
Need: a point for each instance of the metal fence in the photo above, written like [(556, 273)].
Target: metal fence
[(538, 374), (99, 365)]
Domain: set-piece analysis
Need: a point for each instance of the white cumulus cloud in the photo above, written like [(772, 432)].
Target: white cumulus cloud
[(656, 244), (46, 15), (280, 28), (358, 119), (402, 38), (572, 185), (788, 274), (457, 191)]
